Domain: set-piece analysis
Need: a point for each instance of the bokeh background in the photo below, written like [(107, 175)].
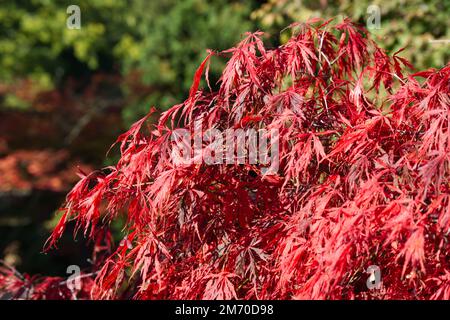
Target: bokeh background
[(65, 95)]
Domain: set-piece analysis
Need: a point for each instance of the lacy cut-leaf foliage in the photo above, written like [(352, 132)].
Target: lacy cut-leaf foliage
[(364, 150)]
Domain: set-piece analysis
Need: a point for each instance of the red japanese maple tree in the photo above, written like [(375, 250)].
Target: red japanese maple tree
[(363, 180)]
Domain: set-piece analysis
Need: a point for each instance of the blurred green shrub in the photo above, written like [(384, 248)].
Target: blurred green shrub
[(163, 41), (169, 40)]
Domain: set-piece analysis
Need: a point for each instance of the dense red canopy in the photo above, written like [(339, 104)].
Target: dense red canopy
[(364, 151)]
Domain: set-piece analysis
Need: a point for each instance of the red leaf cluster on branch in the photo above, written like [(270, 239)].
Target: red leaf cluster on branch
[(363, 180), (14, 285)]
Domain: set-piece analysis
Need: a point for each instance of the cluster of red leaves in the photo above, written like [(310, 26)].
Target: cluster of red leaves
[(14, 285), (363, 180)]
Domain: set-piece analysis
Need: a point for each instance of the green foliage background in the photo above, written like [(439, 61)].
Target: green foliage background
[(163, 40)]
